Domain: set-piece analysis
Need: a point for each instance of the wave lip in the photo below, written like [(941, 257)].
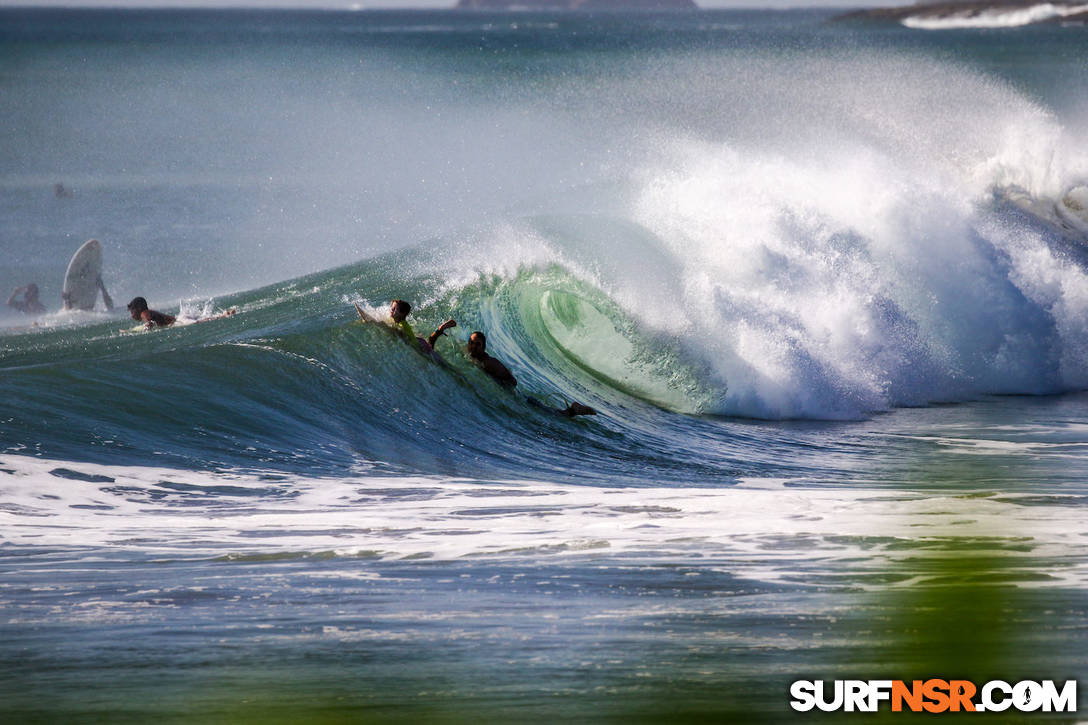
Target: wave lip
[(989, 16), (976, 14)]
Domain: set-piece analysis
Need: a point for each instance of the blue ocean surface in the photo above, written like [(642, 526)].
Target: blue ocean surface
[(826, 284)]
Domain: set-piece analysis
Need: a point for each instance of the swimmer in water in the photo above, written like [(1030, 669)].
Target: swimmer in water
[(398, 313), (151, 318), (30, 304), (477, 350)]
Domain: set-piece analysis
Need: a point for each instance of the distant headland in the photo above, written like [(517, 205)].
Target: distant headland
[(978, 13), (617, 5)]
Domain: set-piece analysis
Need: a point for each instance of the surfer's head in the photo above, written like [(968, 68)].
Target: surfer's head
[(399, 310), (138, 305), (477, 344), (30, 292)]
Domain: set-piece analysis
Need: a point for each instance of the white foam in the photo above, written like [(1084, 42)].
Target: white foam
[(1073, 208), (866, 270), (982, 446), (998, 17), (764, 530)]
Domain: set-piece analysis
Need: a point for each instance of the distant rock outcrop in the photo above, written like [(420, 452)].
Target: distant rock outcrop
[(978, 13), (616, 5)]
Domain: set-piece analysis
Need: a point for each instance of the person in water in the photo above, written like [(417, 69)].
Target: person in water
[(30, 304), (399, 311), (477, 350), (151, 318)]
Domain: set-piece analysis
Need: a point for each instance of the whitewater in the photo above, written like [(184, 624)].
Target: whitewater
[(826, 284)]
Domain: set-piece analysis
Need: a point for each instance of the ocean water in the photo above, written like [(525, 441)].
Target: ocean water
[(826, 283)]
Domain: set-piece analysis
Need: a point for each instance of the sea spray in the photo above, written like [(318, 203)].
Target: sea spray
[(871, 269)]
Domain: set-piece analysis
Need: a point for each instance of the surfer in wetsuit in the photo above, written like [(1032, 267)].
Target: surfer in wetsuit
[(151, 318), (477, 350), (30, 304), (398, 312)]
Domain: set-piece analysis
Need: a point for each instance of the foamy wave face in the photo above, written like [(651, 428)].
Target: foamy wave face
[(1008, 17), (872, 270), (763, 529)]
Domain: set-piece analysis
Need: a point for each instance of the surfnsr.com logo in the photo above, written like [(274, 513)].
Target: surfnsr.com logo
[(933, 696)]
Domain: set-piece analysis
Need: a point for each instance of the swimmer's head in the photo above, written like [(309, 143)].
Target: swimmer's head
[(477, 344), (138, 305), (399, 310)]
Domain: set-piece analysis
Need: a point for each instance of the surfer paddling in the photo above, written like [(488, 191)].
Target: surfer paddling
[(477, 350), (151, 318), (30, 304), (398, 313), (399, 325)]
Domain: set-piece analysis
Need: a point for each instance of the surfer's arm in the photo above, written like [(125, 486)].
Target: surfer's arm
[(440, 332), (105, 295), (12, 302)]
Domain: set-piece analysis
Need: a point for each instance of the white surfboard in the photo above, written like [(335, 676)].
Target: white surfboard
[(81, 279)]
